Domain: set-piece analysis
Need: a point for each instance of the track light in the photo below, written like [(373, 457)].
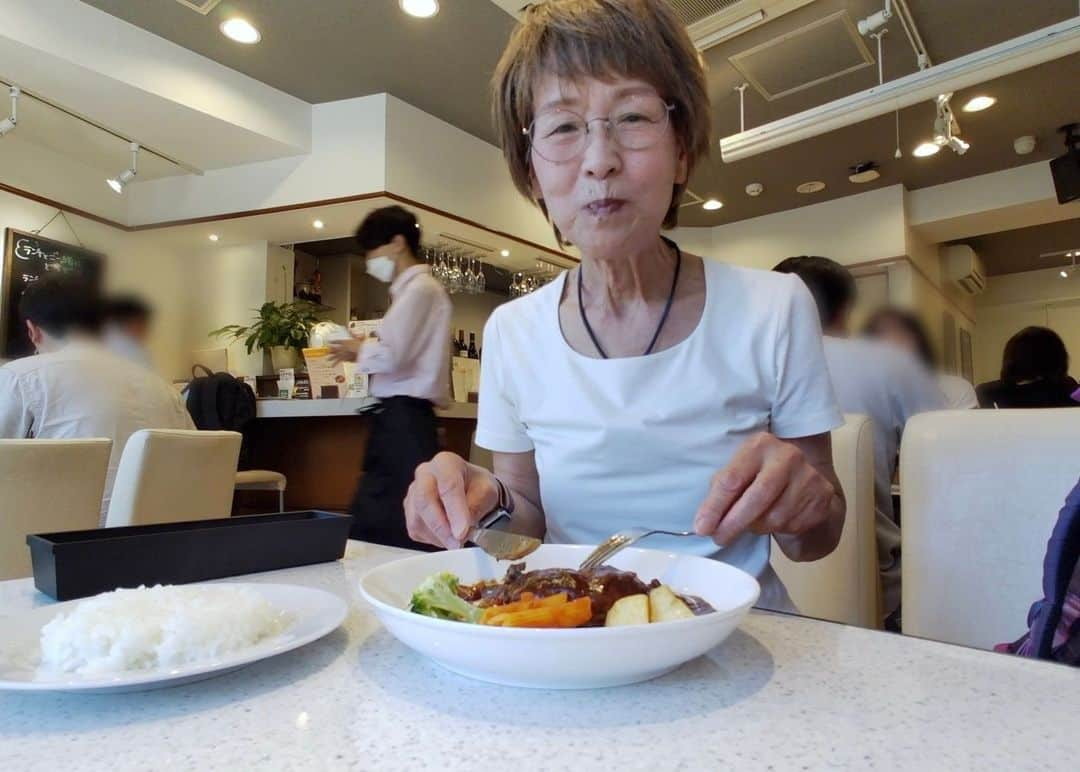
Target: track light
[(8, 124), (118, 182), (946, 129)]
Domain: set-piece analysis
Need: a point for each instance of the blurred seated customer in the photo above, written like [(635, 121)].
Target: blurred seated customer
[(647, 386), (1034, 373), (875, 379), (904, 328), (75, 387), (127, 328)]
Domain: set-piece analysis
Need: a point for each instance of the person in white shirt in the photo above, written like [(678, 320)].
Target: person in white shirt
[(647, 386), (75, 387), (875, 379), (902, 328)]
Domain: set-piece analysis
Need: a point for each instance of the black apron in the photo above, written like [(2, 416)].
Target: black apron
[(402, 437)]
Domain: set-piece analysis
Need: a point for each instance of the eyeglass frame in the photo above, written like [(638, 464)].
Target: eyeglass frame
[(669, 108)]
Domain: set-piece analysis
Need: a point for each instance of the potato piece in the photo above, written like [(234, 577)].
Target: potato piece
[(665, 606), (631, 610)]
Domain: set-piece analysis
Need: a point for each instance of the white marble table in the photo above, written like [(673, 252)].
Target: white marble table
[(783, 693)]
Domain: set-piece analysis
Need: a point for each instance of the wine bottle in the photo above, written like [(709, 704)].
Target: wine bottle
[(473, 353), (462, 349)]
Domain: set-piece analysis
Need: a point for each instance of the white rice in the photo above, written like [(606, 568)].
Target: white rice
[(157, 627)]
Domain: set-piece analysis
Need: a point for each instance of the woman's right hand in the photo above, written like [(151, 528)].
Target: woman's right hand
[(448, 496)]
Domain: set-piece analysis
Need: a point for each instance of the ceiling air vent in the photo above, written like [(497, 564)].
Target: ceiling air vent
[(201, 6), (816, 53), (693, 11)]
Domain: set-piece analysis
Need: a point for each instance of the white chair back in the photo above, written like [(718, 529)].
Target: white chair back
[(980, 493), (171, 475), (843, 587), (47, 486)]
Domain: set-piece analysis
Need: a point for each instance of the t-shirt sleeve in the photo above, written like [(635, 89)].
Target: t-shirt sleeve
[(804, 403), (499, 427)]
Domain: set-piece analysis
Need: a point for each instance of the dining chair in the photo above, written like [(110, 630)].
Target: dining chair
[(171, 475), (981, 492), (47, 486), (844, 586), (263, 480)]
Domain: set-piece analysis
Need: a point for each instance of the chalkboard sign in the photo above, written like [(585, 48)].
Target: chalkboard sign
[(27, 258)]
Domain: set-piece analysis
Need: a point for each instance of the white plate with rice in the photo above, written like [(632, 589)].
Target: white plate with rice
[(150, 638)]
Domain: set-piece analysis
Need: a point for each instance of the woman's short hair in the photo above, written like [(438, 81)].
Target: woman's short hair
[(910, 323), (380, 227), (1033, 353), (601, 39)]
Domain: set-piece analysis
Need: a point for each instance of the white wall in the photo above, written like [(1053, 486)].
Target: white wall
[(1019, 300), (348, 157), (471, 313), (227, 286), (869, 226)]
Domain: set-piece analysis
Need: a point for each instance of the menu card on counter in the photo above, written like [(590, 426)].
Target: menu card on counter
[(332, 381)]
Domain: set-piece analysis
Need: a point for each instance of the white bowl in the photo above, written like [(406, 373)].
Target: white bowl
[(580, 658)]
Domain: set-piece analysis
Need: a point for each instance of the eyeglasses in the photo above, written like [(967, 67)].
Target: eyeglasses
[(561, 135)]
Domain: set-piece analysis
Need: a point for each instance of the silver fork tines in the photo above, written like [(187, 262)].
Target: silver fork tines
[(620, 541)]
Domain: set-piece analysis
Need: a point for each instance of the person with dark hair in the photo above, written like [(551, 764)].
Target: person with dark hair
[(903, 328), (1034, 373), (75, 387), (409, 365), (875, 379), (127, 327)]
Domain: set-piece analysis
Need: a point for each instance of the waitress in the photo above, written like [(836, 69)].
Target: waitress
[(408, 365)]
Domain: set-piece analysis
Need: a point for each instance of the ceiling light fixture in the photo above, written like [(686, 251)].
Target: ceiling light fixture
[(925, 150), (8, 123), (505, 253), (118, 182), (712, 205), (1064, 274), (979, 103), (946, 129), (864, 172), (318, 225), (807, 188), (421, 9), (755, 189), (1047, 44), (213, 237), (240, 31)]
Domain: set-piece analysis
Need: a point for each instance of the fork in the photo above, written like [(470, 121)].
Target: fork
[(619, 541)]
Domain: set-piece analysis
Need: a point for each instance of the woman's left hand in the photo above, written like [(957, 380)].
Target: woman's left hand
[(773, 486)]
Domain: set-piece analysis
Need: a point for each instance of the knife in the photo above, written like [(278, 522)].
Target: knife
[(501, 545)]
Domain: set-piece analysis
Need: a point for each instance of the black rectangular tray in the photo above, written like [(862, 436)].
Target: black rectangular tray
[(75, 564)]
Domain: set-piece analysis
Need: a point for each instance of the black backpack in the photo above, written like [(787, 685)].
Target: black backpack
[(220, 402)]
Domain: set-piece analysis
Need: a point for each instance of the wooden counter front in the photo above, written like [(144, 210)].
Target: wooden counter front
[(322, 458)]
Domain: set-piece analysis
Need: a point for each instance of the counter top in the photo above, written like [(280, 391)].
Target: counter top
[(782, 693), (307, 408)]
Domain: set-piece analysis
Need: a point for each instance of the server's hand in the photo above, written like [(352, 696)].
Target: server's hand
[(346, 350), (448, 496)]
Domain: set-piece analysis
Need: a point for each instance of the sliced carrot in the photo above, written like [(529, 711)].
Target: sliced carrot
[(576, 613), (553, 614), (527, 601)]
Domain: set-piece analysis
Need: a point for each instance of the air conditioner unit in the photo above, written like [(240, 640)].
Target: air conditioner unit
[(965, 268)]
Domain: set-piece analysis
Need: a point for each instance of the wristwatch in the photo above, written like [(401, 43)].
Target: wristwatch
[(504, 507)]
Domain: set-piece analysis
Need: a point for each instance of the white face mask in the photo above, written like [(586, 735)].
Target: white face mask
[(381, 267)]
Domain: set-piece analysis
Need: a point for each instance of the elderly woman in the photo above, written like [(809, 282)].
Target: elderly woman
[(647, 386)]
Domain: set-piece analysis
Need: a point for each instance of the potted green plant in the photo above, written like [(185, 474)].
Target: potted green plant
[(281, 329)]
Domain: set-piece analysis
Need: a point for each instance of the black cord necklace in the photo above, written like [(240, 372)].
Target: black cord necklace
[(663, 317)]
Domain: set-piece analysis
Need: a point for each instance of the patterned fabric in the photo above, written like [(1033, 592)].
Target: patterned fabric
[(1054, 621)]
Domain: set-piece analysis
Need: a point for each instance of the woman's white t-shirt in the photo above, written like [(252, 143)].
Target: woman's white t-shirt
[(634, 441)]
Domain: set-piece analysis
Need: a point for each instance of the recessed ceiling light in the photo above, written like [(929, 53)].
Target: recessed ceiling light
[(505, 253), (1064, 275), (755, 189), (926, 149), (213, 237), (318, 224), (712, 205), (975, 104), (815, 186), (240, 30), (421, 9)]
